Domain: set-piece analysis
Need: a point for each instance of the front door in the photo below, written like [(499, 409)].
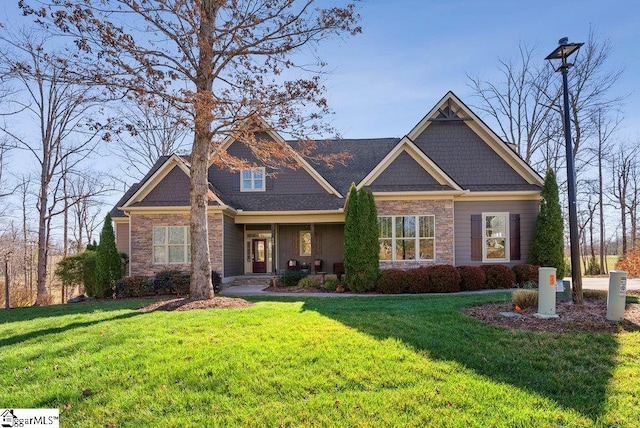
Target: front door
[(259, 255)]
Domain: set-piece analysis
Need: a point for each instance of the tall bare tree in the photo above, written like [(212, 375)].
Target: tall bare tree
[(519, 104), (229, 64), (623, 165), (150, 131), (61, 106)]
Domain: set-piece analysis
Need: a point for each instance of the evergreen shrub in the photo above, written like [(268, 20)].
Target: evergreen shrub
[(525, 272), (472, 278), (443, 279), (499, 276), (392, 281), (418, 280)]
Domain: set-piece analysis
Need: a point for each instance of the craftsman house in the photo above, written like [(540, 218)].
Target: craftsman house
[(449, 192)]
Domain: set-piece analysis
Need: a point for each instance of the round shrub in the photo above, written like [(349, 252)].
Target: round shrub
[(499, 276), (172, 282), (134, 286), (392, 281), (290, 278), (525, 273), (472, 278), (330, 284), (443, 279), (418, 280), (307, 282)]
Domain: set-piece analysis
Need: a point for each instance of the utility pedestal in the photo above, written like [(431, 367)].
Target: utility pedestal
[(546, 293), (617, 295)]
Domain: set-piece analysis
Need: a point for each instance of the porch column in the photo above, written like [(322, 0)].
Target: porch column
[(274, 269), (312, 228)]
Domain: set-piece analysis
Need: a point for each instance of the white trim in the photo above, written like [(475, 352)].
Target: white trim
[(484, 132), (252, 179), (416, 238), (406, 145), (507, 244), (305, 165)]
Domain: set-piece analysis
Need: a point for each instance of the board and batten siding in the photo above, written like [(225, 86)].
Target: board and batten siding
[(527, 209), (233, 248)]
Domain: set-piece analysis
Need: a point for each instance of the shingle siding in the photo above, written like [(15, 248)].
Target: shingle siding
[(233, 241), (404, 170), (465, 157), (172, 190)]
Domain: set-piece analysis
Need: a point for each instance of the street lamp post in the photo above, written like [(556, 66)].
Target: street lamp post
[(562, 52)]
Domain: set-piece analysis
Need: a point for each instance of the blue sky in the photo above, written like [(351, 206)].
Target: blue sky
[(412, 52)]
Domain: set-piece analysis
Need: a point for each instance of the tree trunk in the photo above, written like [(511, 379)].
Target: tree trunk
[(41, 275)]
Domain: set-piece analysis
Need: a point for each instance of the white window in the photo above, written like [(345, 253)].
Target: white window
[(252, 180), (495, 233), (305, 243), (407, 237), (171, 244)]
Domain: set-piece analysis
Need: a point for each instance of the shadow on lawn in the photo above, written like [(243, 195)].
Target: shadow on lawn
[(18, 338), (571, 369), (88, 306)]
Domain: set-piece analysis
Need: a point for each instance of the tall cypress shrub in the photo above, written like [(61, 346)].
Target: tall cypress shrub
[(361, 241), (547, 248), (351, 233), (108, 263)]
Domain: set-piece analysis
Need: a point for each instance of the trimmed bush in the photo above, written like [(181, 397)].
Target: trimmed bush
[(525, 273), (331, 284), (443, 279), (472, 278), (172, 282), (499, 276), (418, 280), (392, 281), (307, 282), (89, 272), (292, 277), (134, 286), (525, 298)]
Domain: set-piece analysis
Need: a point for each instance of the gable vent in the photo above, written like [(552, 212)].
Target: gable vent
[(448, 113)]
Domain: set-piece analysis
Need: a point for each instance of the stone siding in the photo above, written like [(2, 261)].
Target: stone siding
[(141, 257), (442, 210)]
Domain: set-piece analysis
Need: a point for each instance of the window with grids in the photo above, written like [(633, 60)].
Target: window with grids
[(171, 244), (407, 237), (252, 180), (496, 236)]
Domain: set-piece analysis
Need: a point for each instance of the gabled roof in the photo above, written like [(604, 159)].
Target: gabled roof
[(451, 108), (449, 152), (442, 183), (163, 167), (264, 127)]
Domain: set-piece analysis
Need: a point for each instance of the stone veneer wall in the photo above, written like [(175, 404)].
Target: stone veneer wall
[(444, 239), (141, 257)]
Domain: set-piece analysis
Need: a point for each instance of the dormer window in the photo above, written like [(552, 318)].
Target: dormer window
[(252, 180)]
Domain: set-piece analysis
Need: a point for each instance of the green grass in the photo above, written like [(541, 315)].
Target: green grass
[(362, 362)]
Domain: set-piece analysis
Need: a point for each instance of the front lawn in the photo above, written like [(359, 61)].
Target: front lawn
[(384, 361)]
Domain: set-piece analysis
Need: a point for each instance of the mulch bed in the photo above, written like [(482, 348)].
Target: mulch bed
[(182, 304), (591, 317)]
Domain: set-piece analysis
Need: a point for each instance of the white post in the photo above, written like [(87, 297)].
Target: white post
[(617, 295), (546, 293)]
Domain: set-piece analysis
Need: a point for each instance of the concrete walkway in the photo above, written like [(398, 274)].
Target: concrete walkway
[(258, 289)]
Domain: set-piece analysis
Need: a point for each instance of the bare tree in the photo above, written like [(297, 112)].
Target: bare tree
[(228, 64), (623, 164), (605, 127), (519, 104), (61, 106), (150, 131)]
